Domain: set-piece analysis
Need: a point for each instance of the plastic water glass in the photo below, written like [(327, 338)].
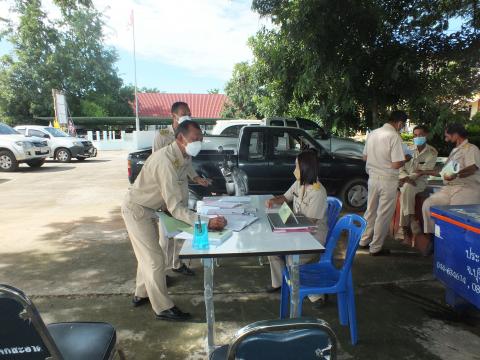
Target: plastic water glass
[(200, 236)]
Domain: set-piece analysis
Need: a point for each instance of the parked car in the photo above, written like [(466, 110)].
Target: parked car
[(16, 148), (267, 156), (63, 146), (333, 144), (232, 128)]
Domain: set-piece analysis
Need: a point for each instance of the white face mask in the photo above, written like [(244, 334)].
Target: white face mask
[(193, 148), (184, 118)]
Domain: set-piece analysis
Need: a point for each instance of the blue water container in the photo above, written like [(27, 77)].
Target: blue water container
[(200, 236), (457, 252)]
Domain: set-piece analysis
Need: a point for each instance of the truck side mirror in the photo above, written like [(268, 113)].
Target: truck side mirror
[(46, 136)]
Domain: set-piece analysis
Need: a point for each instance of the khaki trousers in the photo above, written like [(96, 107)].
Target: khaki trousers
[(448, 195), (142, 227), (277, 264), (407, 201), (382, 196)]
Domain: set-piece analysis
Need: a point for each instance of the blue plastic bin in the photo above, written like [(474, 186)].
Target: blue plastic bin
[(457, 252)]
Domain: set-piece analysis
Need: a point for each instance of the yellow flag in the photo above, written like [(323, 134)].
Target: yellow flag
[(56, 125)]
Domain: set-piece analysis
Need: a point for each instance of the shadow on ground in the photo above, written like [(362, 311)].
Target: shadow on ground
[(44, 169), (90, 276)]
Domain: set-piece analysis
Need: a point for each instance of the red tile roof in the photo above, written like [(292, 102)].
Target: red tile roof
[(201, 105)]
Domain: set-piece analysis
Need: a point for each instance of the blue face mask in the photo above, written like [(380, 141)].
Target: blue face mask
[(419, 141)]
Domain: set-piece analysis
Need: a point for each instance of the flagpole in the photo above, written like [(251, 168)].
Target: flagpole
[(137, 120)]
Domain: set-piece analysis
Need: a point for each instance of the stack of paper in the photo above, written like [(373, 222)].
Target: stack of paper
[(239, 222), (235, 199), (171, 225)]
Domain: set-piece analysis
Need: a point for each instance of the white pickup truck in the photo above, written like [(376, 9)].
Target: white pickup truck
[(16, 148), (226, 132)]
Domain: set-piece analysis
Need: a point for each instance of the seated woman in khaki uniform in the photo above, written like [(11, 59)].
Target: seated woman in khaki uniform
[(309, 198)]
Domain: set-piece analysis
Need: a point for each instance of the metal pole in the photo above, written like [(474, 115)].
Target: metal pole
[(137, 120)]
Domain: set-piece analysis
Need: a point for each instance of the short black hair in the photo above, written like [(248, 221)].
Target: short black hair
[(177, 105), (308, 164), (424, 128), (184, 127), (398, 115), (458, 129)]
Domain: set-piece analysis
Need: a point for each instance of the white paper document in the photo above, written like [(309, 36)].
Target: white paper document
[(236, 199), (239, 222)]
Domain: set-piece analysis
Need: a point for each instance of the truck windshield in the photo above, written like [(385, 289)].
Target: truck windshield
[(7, 130), (55, 132)]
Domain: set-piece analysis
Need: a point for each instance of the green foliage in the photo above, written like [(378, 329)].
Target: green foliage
[(242, 90), (476, 119), (213, 91), (407, 137), (68, 54), (347, 64)]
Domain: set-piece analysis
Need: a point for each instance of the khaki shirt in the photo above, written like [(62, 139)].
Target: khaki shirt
[(162, 183), (424, 160), (466, 155), (165, 137), (383, 146), (310, 201)]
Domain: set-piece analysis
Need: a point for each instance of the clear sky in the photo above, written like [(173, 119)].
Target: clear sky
[(182, 45)]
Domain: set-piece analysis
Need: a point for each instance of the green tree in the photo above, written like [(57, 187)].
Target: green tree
[(348, 63), (242, 90), (69, 55), (213, 91)]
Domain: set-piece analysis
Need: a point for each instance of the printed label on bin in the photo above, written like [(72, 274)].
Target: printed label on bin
[(438, 233)]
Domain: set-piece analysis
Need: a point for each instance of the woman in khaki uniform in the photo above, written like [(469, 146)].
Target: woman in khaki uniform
[(309, 198)]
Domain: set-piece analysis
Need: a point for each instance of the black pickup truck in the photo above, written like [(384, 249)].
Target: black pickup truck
[(267, 155)]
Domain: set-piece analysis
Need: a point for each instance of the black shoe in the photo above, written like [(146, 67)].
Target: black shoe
[(363, 247), (173, 314), (139, 301), (184, 270), (272, 289), (383, 252)]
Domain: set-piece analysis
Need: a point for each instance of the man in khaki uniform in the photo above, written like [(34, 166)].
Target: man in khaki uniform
[(384, 156), (161, 185), (180, 112), (411, 182), (462, 188)]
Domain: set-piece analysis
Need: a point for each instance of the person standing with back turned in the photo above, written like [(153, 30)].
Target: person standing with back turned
[(384, 157)]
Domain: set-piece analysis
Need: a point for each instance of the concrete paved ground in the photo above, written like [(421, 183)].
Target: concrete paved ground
[(64, 243)]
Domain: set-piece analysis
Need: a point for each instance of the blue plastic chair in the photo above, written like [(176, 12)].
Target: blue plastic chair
[(324, 278), (333, 211)]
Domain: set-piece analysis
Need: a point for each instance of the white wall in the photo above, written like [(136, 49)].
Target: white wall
[(134, 141)]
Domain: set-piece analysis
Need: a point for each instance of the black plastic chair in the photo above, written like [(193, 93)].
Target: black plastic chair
[(303, 338), (24, 335)]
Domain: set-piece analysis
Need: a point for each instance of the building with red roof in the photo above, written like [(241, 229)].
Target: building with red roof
[(206, 106)]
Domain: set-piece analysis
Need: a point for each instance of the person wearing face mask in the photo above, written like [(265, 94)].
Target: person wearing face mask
[(161, 184), (384, 157), (424, 158), (309, 198), (180, 113), (462, 187)]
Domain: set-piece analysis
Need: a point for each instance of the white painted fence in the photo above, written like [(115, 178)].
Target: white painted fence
[(106, 140)]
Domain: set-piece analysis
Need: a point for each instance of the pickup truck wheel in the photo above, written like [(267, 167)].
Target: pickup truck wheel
[(354, 195), (36, 163), (8, 161), (63, 155), (80, 158)]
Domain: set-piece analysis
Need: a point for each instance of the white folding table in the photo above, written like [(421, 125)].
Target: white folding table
[(255, 240)]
